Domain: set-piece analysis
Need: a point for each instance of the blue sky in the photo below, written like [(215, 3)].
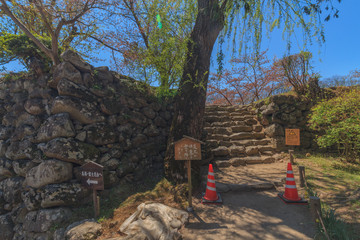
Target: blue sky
[(341, 52), (337, 56)]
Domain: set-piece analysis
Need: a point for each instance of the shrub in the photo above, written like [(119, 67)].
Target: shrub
[(338, 122), (21, 47)]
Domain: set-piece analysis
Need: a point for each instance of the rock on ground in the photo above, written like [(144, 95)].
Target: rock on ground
[(154, 221)]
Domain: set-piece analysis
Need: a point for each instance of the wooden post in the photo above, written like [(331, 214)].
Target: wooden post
[(302, 176), (291, 153), (96, 205), (190, 208), (315, 208)]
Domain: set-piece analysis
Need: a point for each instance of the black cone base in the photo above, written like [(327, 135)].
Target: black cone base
[(218, 201), (301, 201)]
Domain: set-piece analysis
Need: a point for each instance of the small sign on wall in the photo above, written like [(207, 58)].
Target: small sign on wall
[(292, 137), (92, 176)]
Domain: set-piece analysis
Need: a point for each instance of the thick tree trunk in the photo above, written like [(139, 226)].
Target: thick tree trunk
[(190, 101)]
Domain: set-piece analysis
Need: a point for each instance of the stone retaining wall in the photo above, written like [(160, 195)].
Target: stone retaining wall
[(51, 125), (286, 111)]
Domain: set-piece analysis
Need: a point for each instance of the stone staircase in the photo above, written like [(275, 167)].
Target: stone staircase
[(235, 137)]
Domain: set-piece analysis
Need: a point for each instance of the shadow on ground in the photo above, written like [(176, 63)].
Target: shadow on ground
[(249, 215)]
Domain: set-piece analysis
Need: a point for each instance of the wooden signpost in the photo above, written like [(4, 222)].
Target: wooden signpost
[(188, 149), (92, 177), (292, 137)]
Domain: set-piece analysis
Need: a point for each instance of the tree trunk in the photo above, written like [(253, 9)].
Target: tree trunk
[(190, 101)]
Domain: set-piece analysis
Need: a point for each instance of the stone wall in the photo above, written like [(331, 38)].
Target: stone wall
[(286, 111), (51, 125)]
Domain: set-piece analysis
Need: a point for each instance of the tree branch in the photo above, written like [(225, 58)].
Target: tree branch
[(4, 7)]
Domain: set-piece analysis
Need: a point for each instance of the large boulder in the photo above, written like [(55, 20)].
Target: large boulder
[(151, 131), (76, 60), (55, 126), (83, 230), (6, 227), (31, 198), (274, 129), (6, 169), (80, 110), (22, 132), (68, 71), (269, 109), (64, 194), (70, 150), (149, 112), (34, 106), (44, 219), (69, 88), (111, 107), (154, 221), (22, 167), (49, 172), (12, 188), (5, 132), (100, 134), (26, 118), (20, 150)]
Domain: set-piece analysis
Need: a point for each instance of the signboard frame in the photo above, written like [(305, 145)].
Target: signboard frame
[(92, 176), (188, 149), (292, 136)]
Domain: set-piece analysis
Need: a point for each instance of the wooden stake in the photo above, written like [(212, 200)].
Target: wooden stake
[(189, 182), (302, 176), (315, 208), (96, 204), (291, 153)]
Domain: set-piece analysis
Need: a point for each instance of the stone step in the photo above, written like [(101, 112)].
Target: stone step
[(242, 151), (240, 161), (260, 142), (219, 130), (236, 136), (246, 135), (217, 118), (241, 128), (225, 124), (217, 113), (219, 137), (243, 117), (241, 113), (232, 129)]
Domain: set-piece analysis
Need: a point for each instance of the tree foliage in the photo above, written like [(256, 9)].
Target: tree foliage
[(59, 20), (351, 79), (338, 122), (20, 47), (141, 48), (255, 77)]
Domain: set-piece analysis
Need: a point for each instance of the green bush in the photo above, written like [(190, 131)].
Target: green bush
[(338, 122), (21, 47), (336, 228)]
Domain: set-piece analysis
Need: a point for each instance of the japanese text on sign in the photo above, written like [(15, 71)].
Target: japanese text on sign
[(91, 174), (188, 149), (292, 137)]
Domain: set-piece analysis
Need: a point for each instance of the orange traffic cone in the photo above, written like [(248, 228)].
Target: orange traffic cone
[(291, 193), (210, 195)]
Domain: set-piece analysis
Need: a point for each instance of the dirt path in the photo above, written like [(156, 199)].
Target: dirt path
[(249, 214)]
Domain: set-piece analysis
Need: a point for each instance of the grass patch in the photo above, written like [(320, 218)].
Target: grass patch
[(337, 183)]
